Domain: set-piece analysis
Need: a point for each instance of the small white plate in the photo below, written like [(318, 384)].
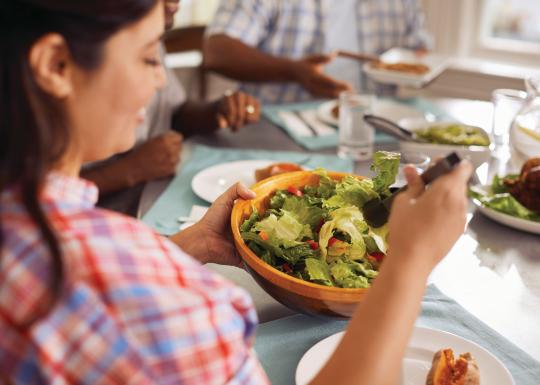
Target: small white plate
[(507, 220), (213, 181), (436, 63), (423, 344), (385, 108)]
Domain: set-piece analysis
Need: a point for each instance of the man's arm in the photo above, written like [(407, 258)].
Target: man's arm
[(153, 159), (231, 57), (222, 54)]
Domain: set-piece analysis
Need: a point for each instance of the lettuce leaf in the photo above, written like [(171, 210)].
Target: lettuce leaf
[(284, 229), (326, 187), (348, 220), (248, 223), (507, 204), (303, 210), (385, 165), (276, 202), (351, 191), (345, 276), (318, 271)]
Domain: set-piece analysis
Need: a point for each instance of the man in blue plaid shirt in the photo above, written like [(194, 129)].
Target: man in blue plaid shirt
[(288, 44)]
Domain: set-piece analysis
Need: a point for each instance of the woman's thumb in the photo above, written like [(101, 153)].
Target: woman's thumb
[(415, 185)]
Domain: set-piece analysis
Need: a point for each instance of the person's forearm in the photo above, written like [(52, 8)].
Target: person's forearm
[(372, 349), (195, 118), (232, 58), (113, 176), (189, 240)]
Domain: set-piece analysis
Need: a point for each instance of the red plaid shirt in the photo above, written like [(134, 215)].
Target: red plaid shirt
[(134, 308)]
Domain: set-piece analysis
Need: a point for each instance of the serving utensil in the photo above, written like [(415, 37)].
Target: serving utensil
[(377, 211), (363, 57), (391, 128)]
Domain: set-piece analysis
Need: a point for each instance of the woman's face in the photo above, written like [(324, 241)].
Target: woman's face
[(107, 104)]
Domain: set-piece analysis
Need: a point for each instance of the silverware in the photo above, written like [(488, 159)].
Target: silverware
[(299, 115), (358, 56), (391, 128)]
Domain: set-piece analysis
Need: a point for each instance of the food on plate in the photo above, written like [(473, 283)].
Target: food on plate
[(275, 169), (318, 234), (526, 187), (454, 134), (448, 370), (516, 195), (412, 68)]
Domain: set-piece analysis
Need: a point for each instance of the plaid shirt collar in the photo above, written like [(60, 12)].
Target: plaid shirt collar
[(71, 191)]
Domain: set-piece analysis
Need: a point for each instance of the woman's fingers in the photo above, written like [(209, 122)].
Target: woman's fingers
[(415, 185)]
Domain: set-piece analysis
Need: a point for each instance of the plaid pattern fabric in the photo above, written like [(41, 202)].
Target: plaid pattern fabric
[(134, 308), (296, 28)]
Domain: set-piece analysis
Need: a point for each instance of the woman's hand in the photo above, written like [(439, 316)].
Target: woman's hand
[(425, 223), (210, 239)]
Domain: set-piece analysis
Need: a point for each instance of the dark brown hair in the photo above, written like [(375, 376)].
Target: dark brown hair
[(33, 133)]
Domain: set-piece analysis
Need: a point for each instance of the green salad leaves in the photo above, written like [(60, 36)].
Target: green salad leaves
[(499, 199), (318, 233)]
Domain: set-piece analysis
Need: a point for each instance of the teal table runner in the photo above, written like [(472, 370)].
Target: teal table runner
[(281, 344), (178, 199), (271, 112)]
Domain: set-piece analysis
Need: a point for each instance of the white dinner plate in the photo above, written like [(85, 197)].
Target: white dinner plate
[(436, 63), (508, 220), (385, 108), (213, 181), (423, 344)]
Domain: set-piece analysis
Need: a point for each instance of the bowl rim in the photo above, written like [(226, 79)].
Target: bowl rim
[(268, 271)]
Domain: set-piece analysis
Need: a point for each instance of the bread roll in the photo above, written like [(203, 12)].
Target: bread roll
[(446, 370)]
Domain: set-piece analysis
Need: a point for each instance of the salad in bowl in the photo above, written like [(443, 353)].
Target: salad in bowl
[(317, 233)]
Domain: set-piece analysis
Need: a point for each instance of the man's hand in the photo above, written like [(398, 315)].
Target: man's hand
[(156, 158), (236, 110), (310, 74)]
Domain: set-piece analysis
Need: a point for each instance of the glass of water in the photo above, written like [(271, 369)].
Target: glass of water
[(506, 105), (356, 137)]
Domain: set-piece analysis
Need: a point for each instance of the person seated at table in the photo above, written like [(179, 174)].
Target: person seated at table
[(286, 47), (158, 147), (89, 296)]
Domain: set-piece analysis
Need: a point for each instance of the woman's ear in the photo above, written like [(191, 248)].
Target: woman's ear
[(51, 65)]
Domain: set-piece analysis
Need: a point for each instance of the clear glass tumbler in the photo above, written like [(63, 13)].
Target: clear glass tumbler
[(356, 137), (506, 104)]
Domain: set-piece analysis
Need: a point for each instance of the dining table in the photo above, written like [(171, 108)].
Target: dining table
[(493, 271)]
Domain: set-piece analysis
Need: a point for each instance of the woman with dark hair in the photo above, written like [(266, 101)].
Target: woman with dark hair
[(88, 296)]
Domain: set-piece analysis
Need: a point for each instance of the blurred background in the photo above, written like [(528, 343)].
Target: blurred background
[(494, 44)]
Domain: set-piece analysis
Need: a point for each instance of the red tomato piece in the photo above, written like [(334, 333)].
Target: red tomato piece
[(294, 191)]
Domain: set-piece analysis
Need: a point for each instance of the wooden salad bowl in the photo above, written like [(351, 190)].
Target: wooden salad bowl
[(297, 294)]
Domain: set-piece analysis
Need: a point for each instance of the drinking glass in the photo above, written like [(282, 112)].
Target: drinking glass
[(419, 161), (506, 104), (356, 137)]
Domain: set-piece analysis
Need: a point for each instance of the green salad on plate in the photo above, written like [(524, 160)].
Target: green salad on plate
[(318, 233), (455, 134), (498, 197)]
